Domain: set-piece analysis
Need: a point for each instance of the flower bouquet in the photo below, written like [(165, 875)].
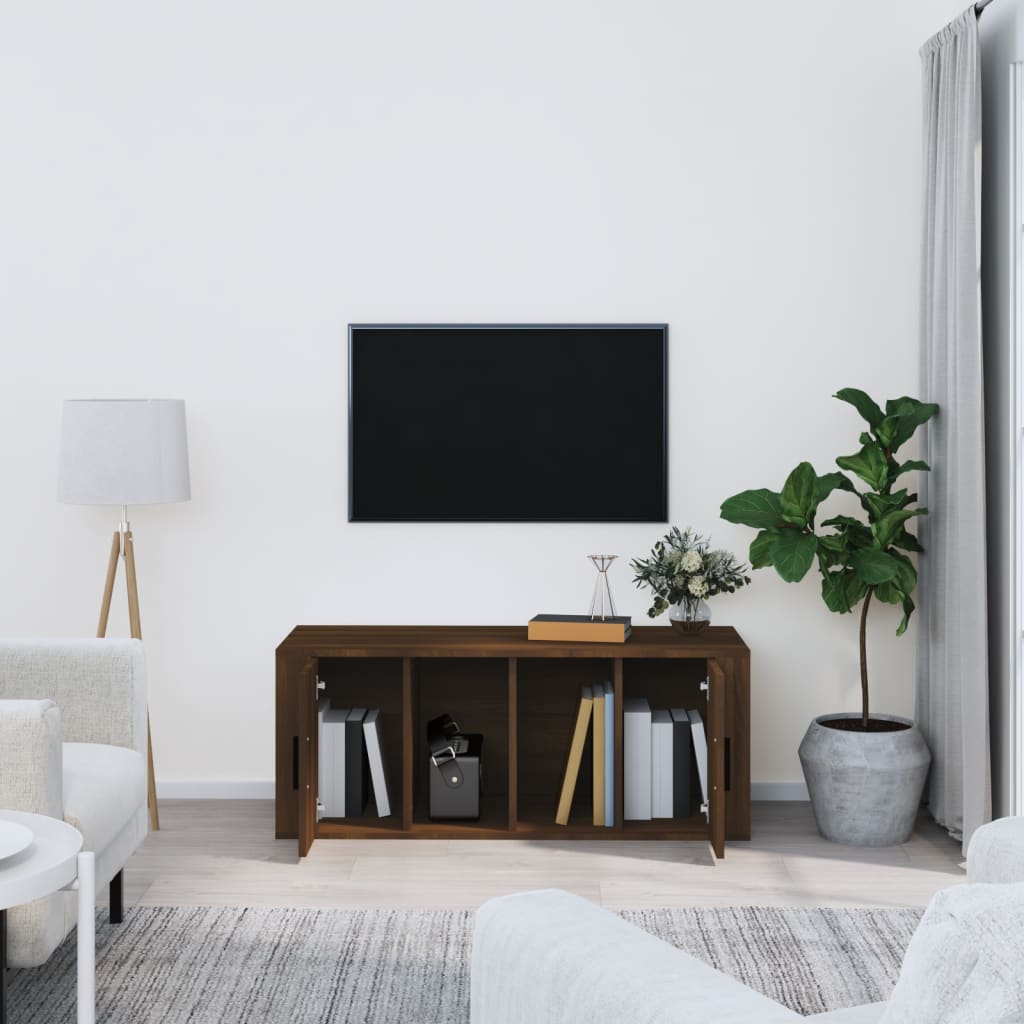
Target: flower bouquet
[(682, 571)]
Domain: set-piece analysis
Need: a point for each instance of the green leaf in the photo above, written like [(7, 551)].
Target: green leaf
[(879, 504), (874, 566), (835, 543), (862, 403), (911, 464), (798, 498), (907, 541), (869, 464), (759, 509), (793, 554), (907, 415), (832, 482), (886, 431), (889, 593), (833, 593), (845, 521), (908, 609), (841, 590), (854, 588), (761, 549), (906, 574), (888, 527), (856, 534)]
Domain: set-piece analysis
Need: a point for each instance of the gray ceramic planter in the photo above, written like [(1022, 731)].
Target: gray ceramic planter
[(865, 787)]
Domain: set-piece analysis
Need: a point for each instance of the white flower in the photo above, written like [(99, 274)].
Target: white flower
[(698, 586), (690, 562)]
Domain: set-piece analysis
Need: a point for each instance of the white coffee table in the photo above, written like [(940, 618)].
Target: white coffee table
[(52, 861)]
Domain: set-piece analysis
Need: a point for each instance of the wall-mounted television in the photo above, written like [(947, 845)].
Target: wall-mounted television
[(508, 423)]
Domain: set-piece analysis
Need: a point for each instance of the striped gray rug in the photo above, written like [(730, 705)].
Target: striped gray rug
[(215, 965)]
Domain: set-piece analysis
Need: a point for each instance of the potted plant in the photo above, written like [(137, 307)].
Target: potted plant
[(682, 570), (865, 772)]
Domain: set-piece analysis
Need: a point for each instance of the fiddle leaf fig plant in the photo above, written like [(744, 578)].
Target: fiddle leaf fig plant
[(858, 558)]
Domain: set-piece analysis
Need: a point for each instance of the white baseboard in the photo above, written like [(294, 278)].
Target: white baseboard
[(263, 789), (215, 789), (779, 791)]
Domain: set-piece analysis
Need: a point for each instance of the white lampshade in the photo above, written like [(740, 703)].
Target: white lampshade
[(123, 452)]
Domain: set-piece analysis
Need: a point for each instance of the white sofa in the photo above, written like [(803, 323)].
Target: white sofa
[(549, 956), (73, 746)]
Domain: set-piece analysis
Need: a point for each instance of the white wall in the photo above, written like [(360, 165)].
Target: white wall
[(198, 197)]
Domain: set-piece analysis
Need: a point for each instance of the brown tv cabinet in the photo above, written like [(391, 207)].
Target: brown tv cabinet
[(521, 695)]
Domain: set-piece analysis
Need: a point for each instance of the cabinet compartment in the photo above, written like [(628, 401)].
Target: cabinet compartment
[(474, 691), (370, 683), (548, 692), (668, 683)]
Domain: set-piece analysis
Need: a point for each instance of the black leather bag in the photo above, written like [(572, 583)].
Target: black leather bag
[(455, 770)]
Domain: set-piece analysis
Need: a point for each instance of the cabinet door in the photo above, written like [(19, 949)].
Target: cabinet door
[(716, 756), (307, 755)]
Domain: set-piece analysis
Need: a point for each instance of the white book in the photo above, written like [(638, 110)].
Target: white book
[(661, 764), (374, 754), (331, 758), (700, 752), (636, 759)]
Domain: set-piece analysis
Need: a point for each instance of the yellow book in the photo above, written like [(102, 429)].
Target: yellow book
[(575, 756), (598, 755)]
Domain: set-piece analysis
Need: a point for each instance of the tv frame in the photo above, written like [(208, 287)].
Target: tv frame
[(663, 327)]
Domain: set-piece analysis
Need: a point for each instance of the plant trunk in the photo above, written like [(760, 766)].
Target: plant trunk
[(864, 658)]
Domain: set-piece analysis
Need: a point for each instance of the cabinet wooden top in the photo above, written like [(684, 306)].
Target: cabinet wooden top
[(500, 642)]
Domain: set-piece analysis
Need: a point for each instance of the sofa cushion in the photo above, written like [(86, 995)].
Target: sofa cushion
[(30, 739), (963, 964), (996, 853), (104, 787)]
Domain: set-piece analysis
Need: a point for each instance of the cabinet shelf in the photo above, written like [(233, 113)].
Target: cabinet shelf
[(521, 695)]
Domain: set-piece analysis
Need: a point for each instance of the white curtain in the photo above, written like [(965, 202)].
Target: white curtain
[(952, 690)]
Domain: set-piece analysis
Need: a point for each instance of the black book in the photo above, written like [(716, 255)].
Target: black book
[(682, 755), (357, 769)]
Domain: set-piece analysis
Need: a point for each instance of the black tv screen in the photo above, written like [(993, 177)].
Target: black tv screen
[(493, 423)]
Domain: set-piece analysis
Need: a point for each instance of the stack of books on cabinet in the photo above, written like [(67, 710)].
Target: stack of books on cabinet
[(597, 704), (350, 762), (665, 760), (664, 753)]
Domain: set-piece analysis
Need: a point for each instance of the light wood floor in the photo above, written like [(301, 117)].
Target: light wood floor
[(223, 853)]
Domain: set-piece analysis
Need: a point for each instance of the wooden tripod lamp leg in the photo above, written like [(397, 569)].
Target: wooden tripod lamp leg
[(154, 810), (135, 623), (108, 587)]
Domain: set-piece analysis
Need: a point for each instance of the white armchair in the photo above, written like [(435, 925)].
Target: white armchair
[(73, 746)]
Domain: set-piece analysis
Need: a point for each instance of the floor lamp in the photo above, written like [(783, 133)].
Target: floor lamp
[(124, 452)]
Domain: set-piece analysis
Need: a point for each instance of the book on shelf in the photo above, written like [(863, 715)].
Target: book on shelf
[(330, 741), (700, 751), (598, 750), (375, 759), (613, 629), (636, 759), (577, 740), (357, 782), (609, 755), (682, 759), (661, 763)]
